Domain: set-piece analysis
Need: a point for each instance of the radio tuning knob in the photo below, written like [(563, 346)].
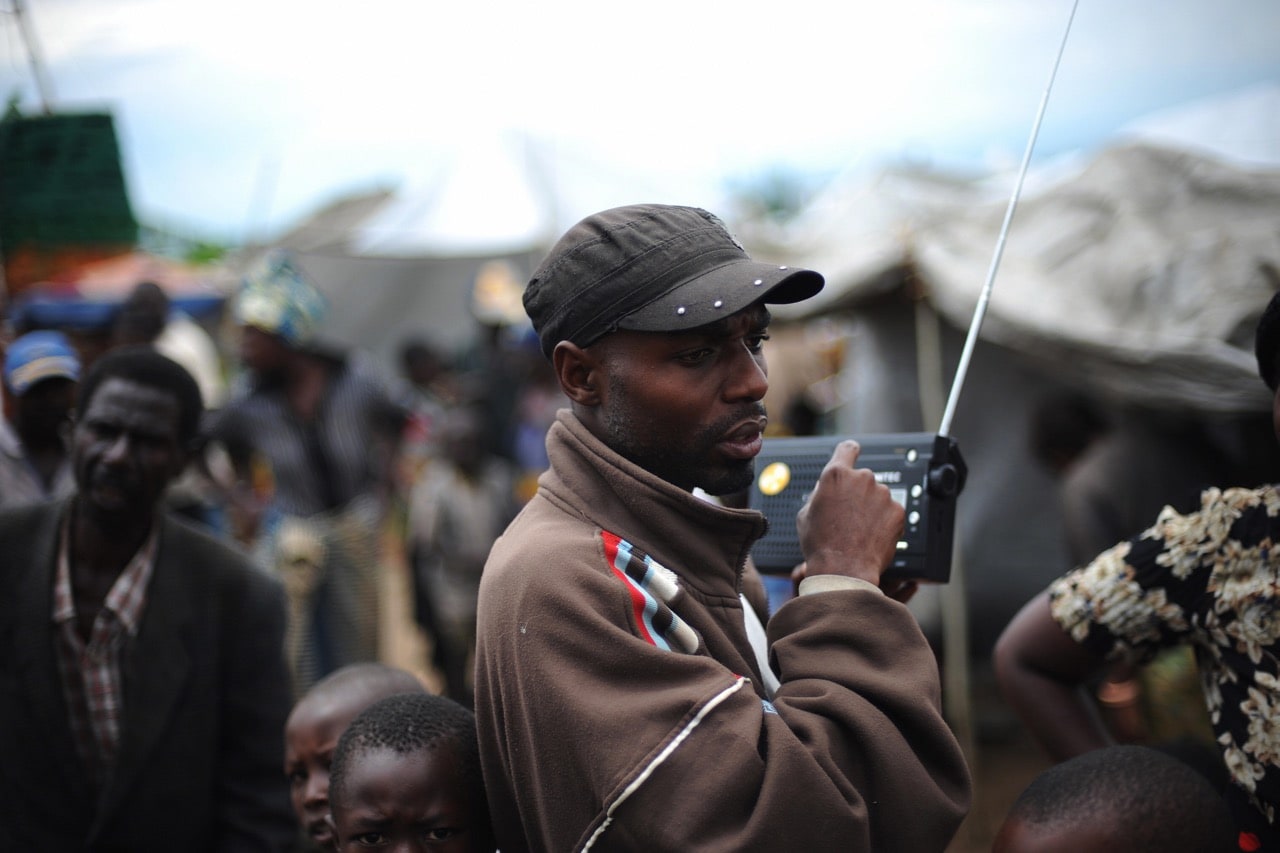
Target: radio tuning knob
[(944, 480)]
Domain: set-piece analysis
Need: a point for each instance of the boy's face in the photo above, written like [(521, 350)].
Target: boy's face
[(408, 802), (310, 737)]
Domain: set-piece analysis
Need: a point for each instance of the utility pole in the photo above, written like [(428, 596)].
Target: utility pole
[(44, 86)]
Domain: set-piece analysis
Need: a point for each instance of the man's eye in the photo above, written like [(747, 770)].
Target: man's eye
[(755, 343), (104, 431), (443, 833), (695, 356), (369, 839), (152, 443), (297, 777)]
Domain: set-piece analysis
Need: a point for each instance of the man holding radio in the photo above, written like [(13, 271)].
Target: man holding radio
[(629, 694)]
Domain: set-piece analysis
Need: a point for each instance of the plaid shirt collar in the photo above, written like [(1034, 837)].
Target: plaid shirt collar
[(90, 668), (128, 595)]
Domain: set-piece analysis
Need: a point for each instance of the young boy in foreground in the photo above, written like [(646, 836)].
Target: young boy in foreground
[(312, 731), (406, 775)]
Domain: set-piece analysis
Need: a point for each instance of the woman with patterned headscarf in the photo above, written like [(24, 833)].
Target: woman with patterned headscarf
[(312, 433)]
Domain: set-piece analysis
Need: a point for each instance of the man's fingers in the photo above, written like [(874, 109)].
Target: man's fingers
[(846, 453)]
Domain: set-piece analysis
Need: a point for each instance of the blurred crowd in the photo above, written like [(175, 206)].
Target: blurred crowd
[(328, 468)]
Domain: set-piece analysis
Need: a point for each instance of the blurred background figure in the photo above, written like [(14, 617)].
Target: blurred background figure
[(1117, 468), (41, 374), (537, 400), (147, 316), (456, 511), (312, 434), (1116, 471), (427, 388), (492, 368), (145, 688)]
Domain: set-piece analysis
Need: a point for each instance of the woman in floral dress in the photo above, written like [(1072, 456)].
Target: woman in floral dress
[(1209, 579)]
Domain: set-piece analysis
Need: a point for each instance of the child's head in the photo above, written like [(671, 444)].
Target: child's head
[(1118, 798), (312, 731), (407, 772)]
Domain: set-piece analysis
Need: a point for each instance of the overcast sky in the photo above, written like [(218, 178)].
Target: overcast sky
[(238, 117)]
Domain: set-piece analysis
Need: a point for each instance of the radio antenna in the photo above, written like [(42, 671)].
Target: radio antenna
[(984, 297)]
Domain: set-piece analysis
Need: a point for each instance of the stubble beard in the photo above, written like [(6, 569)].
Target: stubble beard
[(685, 463)]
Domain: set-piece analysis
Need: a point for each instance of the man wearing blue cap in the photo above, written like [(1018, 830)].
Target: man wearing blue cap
[(41, 370)]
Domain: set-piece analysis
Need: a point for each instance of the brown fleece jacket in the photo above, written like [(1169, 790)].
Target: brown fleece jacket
[(619, 703)]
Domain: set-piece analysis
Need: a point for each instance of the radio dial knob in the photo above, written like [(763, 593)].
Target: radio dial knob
[(944, 481)]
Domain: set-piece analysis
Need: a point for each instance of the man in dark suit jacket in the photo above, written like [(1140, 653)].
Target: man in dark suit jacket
[(143, 686)]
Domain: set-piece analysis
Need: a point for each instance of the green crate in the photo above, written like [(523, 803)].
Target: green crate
[(61, 182)]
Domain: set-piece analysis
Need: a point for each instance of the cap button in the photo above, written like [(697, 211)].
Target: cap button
[(782, 268), (718, 303), (758, 282), (680, 310)]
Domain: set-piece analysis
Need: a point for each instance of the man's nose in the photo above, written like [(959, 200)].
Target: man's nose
[(118, 447), (750, 377)]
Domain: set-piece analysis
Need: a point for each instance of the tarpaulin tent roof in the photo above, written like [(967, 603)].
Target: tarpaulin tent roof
[(1141, 274), (1144, 275)]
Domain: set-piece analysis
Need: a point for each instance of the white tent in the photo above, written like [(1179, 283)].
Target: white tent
[(404, 262)]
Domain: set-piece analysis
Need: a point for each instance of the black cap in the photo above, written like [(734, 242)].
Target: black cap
[(650, 268)]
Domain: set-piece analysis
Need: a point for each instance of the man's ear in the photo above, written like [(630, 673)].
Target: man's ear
[(181, 460), (187, 452), (580, 373)]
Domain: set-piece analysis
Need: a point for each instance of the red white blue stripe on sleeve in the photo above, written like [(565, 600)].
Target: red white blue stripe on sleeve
[(651, 587)]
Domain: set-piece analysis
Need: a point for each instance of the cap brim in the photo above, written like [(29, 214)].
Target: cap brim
[(722, 292), (23, 377)]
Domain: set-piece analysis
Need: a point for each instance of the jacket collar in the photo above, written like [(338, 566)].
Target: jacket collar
[(704, 543), (10, 445)]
